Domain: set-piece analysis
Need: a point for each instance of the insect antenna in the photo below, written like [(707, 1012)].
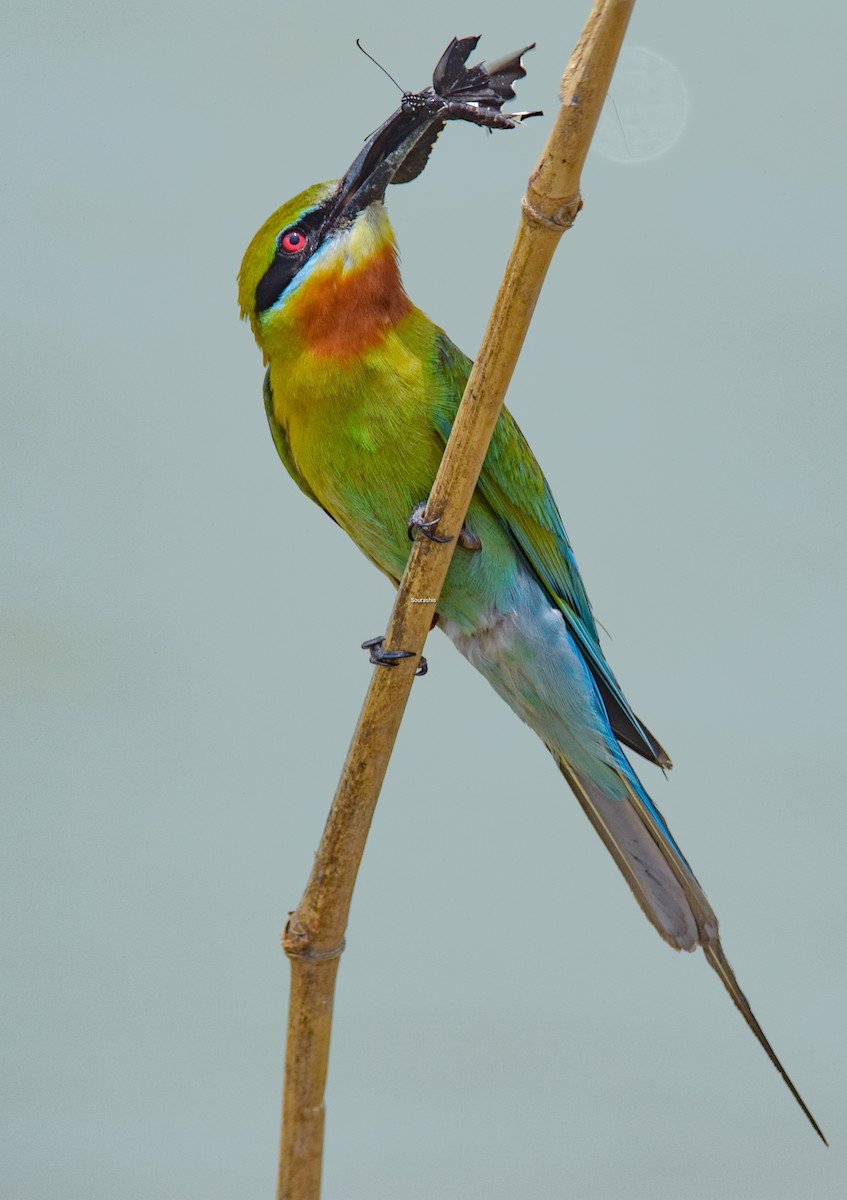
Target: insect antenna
[(381, 67)]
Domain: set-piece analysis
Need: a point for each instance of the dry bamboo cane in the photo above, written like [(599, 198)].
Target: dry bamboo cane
[(314, 936)]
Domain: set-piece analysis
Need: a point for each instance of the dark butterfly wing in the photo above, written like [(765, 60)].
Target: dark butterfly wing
[(484, 84), (417, 159), (388, 137), (450, 71), (505, 71)]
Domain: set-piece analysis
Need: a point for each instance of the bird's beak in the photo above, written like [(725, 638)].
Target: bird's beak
[(379, 160)]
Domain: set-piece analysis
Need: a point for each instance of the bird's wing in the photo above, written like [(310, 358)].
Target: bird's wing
[(283, 447), (514, 485)]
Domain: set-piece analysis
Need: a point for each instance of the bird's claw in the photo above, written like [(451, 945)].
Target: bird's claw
[(390, 658), (416, 524)]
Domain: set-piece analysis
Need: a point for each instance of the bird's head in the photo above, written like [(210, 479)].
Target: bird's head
[(322, 272), (320, 276)]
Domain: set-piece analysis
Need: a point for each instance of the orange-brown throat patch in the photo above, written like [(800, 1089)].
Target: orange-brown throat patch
[(340, 315)]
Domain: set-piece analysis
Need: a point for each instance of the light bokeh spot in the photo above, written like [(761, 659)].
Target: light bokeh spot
[(646, 111)]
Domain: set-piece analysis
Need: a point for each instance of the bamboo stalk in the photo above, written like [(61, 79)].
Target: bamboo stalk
[(314, 936)]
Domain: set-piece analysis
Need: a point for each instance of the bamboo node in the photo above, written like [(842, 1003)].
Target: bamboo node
[(297, 943), (560, 219)]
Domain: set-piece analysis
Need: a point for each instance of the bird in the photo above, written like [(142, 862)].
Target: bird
[(361, 389)]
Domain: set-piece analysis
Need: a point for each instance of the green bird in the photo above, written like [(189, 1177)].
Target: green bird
[(361, 391)]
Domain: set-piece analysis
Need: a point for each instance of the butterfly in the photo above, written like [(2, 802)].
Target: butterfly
[(458, 93)]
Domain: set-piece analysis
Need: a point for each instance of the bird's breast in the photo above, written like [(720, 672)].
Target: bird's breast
[(341, 314), (360, 435)]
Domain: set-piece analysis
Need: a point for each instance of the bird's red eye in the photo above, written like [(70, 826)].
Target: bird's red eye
[(293, 241)]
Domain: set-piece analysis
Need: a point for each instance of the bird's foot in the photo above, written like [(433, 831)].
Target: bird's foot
[(416, 524), (390, 658)]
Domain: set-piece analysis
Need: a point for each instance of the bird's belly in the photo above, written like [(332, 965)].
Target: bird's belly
[(521, 643)]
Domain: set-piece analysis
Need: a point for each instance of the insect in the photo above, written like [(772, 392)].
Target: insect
[(458, 93)]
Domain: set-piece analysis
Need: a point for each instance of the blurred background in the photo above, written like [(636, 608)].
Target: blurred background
[(181, 628)]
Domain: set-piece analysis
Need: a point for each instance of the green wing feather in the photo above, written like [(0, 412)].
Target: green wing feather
[(283, 446), (514, 485)]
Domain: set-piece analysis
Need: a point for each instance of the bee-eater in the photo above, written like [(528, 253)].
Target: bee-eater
[(360, 393)]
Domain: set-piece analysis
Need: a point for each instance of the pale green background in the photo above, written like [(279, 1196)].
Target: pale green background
[(181, 627)]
